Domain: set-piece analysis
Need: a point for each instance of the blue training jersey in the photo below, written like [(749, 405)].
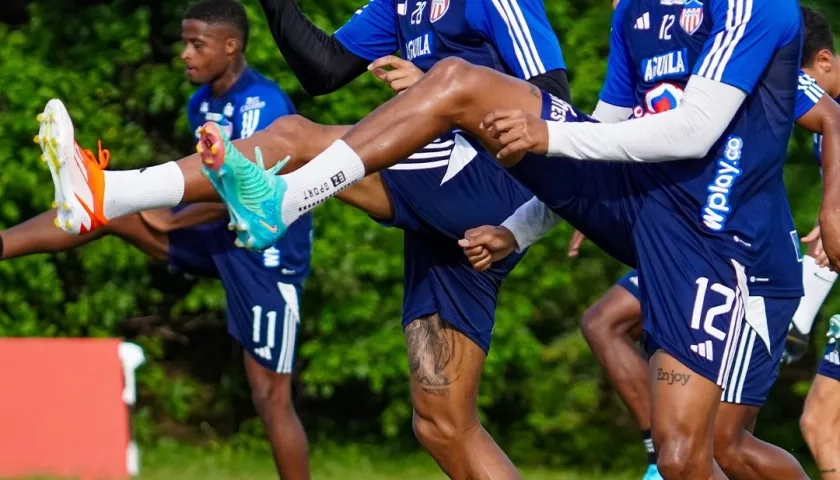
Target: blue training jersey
[(250, 105), (753, 45)]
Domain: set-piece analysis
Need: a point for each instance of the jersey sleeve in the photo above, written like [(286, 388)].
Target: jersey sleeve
[(261, 107), (620, 82), (808, 94), (372, 31), (744, 37), (521, 32)]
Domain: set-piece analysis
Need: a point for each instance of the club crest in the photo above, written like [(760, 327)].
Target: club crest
[(438, 10), (691, 16)]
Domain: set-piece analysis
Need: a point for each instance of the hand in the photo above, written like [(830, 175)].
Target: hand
[(487, 245), (796, 344), (814, 242), (518, 132), (159, 220), (574, 244), (401, 74)]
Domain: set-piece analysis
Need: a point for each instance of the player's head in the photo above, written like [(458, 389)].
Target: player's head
[(215, 34), (819, 58)]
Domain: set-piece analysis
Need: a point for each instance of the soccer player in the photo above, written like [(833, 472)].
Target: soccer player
[(262, 289), (613, 324), (821, 416), (712, 213), (444, 187)]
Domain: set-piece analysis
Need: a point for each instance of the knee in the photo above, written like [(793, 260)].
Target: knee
[(809, 424), (596, 326), (728, 450), (678, 455), (454, 77), (273, 396), (435, 430)]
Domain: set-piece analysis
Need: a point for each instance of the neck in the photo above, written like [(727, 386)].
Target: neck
[(223, 82)]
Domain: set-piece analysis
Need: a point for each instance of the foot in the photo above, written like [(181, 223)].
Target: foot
[(652, 473), (253, 195), (77, 175)]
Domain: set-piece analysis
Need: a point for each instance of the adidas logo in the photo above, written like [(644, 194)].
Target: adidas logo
[(704, 350), (263, 352), (643, 22), (833, 358)]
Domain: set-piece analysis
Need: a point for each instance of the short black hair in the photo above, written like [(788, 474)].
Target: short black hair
[(214, 12), (818, 35)]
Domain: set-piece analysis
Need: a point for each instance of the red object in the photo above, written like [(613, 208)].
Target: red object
[(61, 409)]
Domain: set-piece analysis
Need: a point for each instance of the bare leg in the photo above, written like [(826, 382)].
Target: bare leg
[(445, 370), (272, 396), (453, 94), (820, 424), (39, 235), (611, 327), (744, 457), (683, 419)]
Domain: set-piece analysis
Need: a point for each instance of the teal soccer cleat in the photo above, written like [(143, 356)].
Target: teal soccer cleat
[(253, 195), (652, 473)]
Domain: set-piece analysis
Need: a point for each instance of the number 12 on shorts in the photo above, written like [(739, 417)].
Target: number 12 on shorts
[(271, 316), (706, 321)]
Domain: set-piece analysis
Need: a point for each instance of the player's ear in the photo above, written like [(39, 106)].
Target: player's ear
[(231, 45), (824, 60)]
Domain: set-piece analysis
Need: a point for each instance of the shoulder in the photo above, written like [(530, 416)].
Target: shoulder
[(196, 99)]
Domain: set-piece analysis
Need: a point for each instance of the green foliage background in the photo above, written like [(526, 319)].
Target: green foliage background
[(115, 65)]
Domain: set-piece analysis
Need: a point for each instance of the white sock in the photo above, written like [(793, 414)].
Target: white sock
[(333, 170), (817, 282), (132, 191)]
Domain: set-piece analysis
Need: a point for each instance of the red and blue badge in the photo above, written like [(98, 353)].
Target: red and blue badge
[(438, 10), (692, 16)]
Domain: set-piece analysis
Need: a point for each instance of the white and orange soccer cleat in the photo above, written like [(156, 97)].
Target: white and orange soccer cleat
[(78, 176)]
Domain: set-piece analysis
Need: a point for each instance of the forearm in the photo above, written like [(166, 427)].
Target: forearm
[(197, 214), (319, 61), (530, 222), (688, 131)]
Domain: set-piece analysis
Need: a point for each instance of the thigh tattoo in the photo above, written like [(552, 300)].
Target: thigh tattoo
[(431, 349)]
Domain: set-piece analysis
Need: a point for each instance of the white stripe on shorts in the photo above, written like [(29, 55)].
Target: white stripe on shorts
[(291, 317)]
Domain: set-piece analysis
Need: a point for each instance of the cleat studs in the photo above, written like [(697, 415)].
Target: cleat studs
[(43, 158), (54, 204), (53, 142), (56, 222), (214, 149), (238, 243), (37, 139), (40, 117), (202, 130), (67, 225), (199, 149), (208, 162), (249, 243), (231, 226), (65, 206)]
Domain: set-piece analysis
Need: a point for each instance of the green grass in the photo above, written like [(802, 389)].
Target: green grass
[(339, 464), (184, 463)]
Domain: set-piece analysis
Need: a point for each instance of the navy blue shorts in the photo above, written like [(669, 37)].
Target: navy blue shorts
[(434, 207), (694, 299), (630, 282), (263, 309), (830, 364)]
